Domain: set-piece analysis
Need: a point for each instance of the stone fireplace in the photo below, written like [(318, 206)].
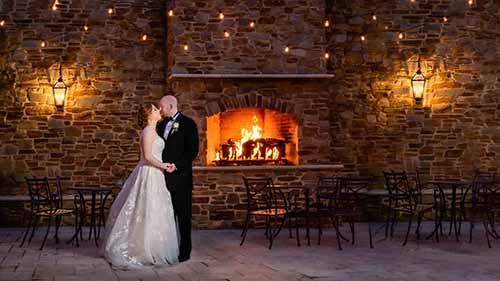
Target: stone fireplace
[(252, 136)]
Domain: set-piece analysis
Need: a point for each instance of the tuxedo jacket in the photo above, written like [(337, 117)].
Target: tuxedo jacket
[(181, 148)]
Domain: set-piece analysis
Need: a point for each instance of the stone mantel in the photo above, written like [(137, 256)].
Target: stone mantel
[(269, 168), (251, 76)]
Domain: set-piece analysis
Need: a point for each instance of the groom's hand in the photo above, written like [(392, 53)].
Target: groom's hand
[(170, 167)]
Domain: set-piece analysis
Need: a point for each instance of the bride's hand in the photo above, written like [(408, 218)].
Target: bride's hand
[(170, 167)]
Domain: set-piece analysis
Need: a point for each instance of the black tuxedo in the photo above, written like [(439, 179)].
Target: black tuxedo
[(181, 148)]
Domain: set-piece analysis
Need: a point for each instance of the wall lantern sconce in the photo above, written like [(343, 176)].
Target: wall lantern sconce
[(59, 89), (418, 84)]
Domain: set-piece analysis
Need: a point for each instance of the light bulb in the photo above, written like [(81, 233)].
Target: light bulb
[(2, 23), (363, 37), (43, 44), (85, 27), (401, 35), (54, 7), (471, 2), (287, 49), (226, 34), (144, 37), (445, 19), (110, 11), (374, 17), (221, 15), (170, 13), (252, 24), (186, 47), (327, 55), (327, 23)]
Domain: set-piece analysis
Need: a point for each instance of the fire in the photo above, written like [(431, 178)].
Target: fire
[(252, 145)]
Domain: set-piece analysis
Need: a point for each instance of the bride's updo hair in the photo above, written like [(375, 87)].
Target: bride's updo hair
[(144, 113)]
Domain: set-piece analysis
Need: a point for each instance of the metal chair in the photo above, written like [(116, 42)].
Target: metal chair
[(267, 201), (45, 203), (406, 199)]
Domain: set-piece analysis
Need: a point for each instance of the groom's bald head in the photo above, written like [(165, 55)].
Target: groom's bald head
[(168, 106)]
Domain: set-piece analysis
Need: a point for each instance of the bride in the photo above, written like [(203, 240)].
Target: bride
[(141, 229)]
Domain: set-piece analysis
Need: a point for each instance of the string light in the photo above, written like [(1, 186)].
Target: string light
[(401, 35), (374, 17), (386, 27), (445, 19), (221, 15), (471, 2), (43, 44), (252, 24), (327, 55), (86, 28), (144, 37), (54, 6), (2, 23), (170, 13), (327, 23), (413, 1), (363, 37), (286, 50), (186, 47), (110, 11), (226, 34)]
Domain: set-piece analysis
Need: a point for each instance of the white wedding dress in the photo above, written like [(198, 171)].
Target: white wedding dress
[(141, 230)]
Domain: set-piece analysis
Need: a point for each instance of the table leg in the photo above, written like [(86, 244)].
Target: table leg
[(80, 222), (93, 226), (307, 199)]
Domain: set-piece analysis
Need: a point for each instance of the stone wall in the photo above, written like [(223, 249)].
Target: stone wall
[(109, 71)]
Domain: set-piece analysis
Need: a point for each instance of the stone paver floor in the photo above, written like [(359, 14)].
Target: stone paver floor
[(218, 256)]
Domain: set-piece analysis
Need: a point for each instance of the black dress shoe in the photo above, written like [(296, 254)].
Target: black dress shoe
[(183, 259)]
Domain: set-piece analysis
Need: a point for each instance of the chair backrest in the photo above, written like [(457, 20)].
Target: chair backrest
[(327, 188), (484, 188), (41, 196), (399, 189), (349, 189), (262, 194)]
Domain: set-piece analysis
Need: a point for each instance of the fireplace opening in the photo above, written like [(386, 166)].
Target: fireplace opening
[(252, 136)]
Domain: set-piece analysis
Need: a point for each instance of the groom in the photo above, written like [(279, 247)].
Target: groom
[(181, 148)]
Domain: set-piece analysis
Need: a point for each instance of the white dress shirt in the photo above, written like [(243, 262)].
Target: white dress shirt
[(169, 125)]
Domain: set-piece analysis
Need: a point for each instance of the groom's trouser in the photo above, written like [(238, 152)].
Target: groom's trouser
[(181, 201)]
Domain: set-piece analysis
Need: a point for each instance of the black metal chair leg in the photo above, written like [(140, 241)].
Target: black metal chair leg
[(338, 233), (58, 224), (351, 225), (245, 229), (408, 230), (245, 225), (297, 230), (370, 234), (486, 232), (471, 227), (35, 224), (320, 230), (46, 233), (27, 230), (419, 222), (76, 229), (393, 221), (271, 235)]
